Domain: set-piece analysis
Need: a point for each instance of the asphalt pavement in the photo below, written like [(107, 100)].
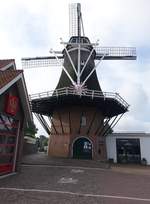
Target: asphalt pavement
[(67, 183)]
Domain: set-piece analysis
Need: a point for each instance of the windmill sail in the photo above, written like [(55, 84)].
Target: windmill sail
[(116, 53), (75, 20), (35, 62)]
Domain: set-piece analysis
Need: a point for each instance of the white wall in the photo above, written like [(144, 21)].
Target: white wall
[(144, 145), (145, 148), (111, 148)]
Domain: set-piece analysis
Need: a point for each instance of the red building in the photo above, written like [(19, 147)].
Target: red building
[(15, 115)]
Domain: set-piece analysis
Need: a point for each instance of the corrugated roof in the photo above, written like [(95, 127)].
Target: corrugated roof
[(7, 76), (6, 62)]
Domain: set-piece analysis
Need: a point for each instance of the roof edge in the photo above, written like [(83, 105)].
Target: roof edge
[(9, 65), (7, 86)]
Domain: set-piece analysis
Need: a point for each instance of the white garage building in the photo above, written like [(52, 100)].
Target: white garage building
[(128, 147)]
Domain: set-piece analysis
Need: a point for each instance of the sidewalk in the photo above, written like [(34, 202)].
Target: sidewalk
[(42, 159), (131, 169)]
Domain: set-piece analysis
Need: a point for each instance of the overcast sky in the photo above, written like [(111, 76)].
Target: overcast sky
[(30, 28)]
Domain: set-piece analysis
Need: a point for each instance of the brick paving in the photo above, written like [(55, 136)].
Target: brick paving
[(40, 184)]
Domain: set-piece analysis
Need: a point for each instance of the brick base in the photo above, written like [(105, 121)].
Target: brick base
[(69, 127)]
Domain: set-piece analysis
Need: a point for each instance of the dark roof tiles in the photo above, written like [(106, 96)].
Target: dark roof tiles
[(6, 62), (7, 76)]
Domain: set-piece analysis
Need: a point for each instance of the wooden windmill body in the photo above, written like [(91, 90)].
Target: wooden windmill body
[(79, 113)]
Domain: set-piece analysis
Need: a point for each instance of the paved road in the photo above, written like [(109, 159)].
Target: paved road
[(44, 184)]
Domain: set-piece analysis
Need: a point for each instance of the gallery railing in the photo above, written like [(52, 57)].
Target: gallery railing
[(86, 92)]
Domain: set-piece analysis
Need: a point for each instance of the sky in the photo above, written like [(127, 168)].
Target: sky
[(32, 28)]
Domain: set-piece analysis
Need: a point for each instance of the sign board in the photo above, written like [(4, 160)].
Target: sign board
[(11, 105)]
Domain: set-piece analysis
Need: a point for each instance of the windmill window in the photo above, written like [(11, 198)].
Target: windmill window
[(82, 62), (74, 40), (83, 121), (85, 40)]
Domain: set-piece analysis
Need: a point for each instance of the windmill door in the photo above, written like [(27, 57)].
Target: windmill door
[(82, 149), (8, 143)]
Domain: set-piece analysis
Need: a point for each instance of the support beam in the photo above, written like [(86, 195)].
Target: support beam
[(79, 18), (38, 116), (100, 126), (69, 122), (59, 116), (91, 52), (118, 119), (103, 127), (44, 122), (79, 64), (65, 70), (51, 121), (82, 25), (113, 124), (80, 122), (73, 66), (109, 126), (94, 69), (91, 123)]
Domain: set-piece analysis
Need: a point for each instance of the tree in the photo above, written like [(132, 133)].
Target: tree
[(31, 130), (42, 142)]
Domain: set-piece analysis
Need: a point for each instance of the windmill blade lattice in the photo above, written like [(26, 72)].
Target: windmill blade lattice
[(114, 53), (73, 20), (36, 62)]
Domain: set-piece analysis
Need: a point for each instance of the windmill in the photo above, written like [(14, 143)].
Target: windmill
[(78, 114)]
